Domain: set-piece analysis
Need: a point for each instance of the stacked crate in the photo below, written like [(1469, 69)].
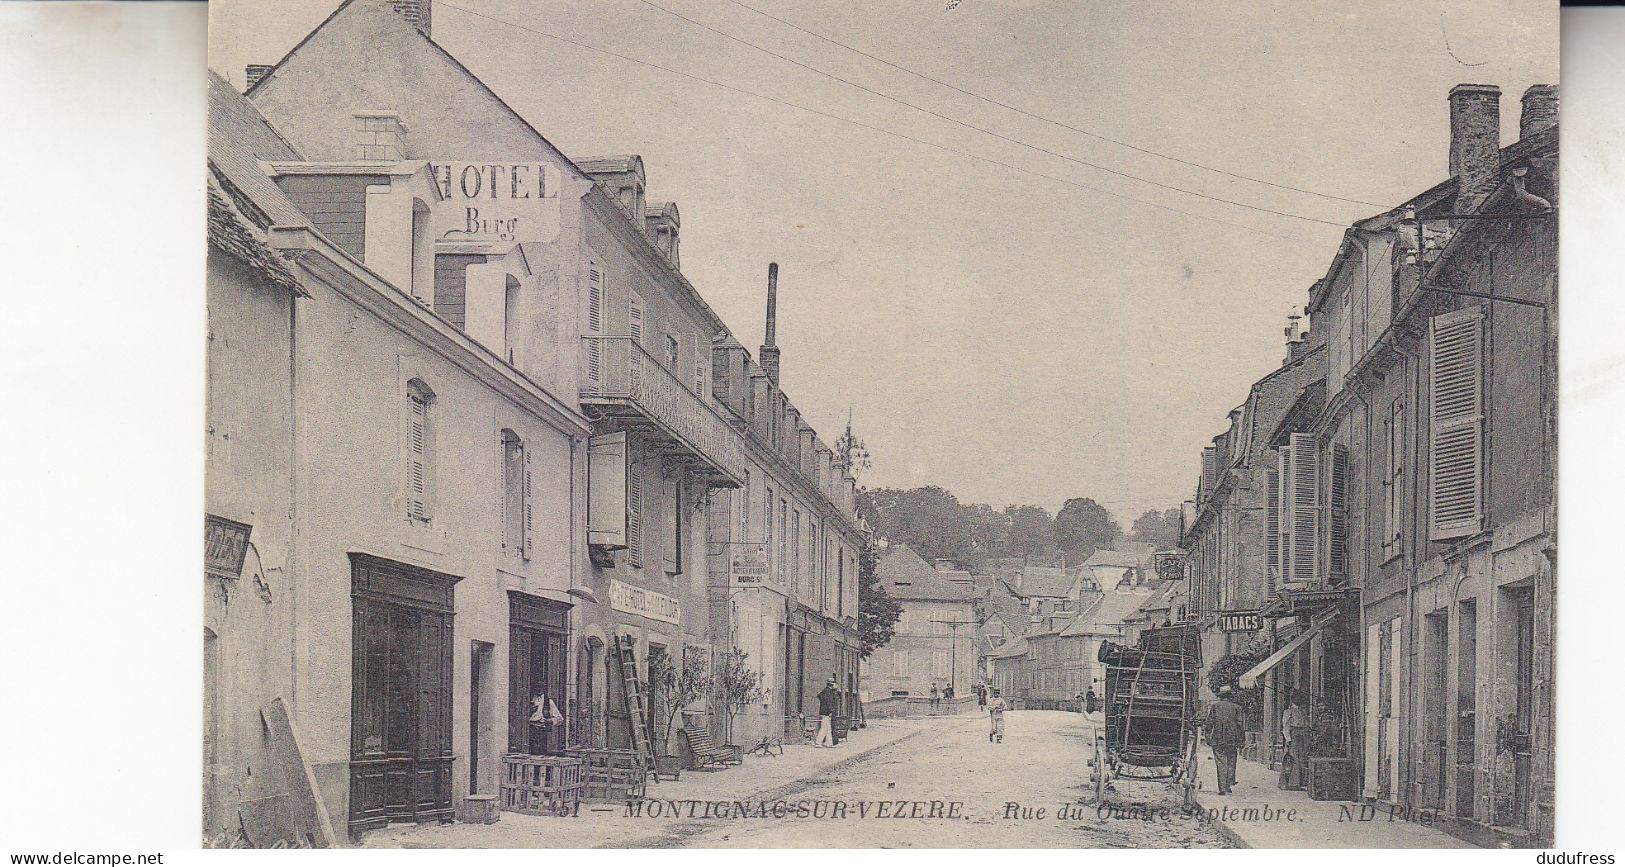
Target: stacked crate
[(542, 785)]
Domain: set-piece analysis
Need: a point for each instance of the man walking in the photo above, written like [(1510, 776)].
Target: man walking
[(1223, 729), (826, 716), (1296, 729), (995, 712), (936, 698)]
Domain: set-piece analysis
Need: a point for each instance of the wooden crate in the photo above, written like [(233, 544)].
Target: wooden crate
[(542, 785), (1331, 779), (611, 776)]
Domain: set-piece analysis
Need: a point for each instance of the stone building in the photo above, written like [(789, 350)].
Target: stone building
[(935, 639)]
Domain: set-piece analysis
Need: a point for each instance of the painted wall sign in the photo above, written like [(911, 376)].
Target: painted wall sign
[(747, 564), (496, 202), (646, 603)]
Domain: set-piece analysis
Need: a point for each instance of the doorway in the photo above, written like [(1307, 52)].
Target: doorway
[(537, 633), (1466, 708), (1436, 673), (1519, 738), (400, 727), (479, 719)]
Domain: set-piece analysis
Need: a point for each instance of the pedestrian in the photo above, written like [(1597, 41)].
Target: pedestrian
[(1296, 730), (981, 697), (1091, 702), (936, 698), (826, 716), (995, 712), (948, 695), (1222, 728)]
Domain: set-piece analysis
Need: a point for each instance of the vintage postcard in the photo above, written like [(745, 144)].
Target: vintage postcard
[(930, 423)]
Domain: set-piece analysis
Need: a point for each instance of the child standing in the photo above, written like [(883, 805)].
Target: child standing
[(995, 712)]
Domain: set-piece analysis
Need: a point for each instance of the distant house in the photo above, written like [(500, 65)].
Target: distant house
[(927, 647)]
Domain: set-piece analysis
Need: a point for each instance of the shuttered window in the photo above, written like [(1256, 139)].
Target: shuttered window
[(634, 318), (1299, 470), (419, 439), (595, 320), (1393, 478), (529, 496), (1337, 543), (1210, 469), (513, 492), (634, 514), (1272, 530), (699, 365), (1455, 492)]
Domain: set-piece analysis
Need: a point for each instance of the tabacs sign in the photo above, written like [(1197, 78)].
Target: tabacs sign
[(1240, 621), (496, 202)]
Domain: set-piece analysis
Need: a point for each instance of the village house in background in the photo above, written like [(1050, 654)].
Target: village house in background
[(935, 642), (1376, 529), (480, 457)]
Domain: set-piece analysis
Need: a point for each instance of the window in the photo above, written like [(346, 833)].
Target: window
[(899, 663), (517, 521), (1272, 530), (671, 354), (1299, 470), (767, 531), (783, 536), (744, 509), (1337, 529), (595, 321), (795, 548), (1393, 480), (674, 547), (419, 452), (634, 317), (1455, 351)]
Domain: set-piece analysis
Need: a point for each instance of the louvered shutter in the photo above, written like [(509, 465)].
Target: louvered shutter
[(607, 487), (1455, 351), (1210, 465), (417, 482), (1272, 530), (634, 319), (1301, 487), (595, 320), (1337, 515), (699, 366), (634, 513), (530, 508)]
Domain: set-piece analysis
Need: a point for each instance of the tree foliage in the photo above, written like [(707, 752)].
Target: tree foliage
[(878, 612), (930, 520), (678, 686), (1157, 528), (1083, 527), (738, 686)]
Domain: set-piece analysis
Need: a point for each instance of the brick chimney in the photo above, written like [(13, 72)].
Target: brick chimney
[(416, 11), (1539, 110), (1475, 141), (257, 71), (769, 356)]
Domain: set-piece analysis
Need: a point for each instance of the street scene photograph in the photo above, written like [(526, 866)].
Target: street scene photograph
[(973, 424)]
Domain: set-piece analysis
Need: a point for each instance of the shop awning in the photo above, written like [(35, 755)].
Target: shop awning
[(1250, 679)]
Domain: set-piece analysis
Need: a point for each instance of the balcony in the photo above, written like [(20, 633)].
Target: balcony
[(621, 380)]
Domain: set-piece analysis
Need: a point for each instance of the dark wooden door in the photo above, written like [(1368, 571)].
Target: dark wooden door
[(536, 670), (400, 733)]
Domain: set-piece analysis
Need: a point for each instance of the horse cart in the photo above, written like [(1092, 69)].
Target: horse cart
[(1150, 730)]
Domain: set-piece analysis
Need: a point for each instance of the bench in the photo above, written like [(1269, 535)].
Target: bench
[(705, 751)]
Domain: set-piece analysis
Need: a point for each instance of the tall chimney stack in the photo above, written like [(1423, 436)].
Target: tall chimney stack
[(1539, 110), (769, 355), (257, 71), (1475, 142)]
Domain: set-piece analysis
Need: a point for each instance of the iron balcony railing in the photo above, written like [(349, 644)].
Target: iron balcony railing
[(620, 376)]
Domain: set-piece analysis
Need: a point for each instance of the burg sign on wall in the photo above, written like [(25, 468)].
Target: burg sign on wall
[(490, 203)]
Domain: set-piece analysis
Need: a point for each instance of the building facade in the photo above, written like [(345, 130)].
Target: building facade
[(935, 640)]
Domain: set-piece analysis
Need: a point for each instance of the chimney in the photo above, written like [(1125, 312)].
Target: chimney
[(415, 11), (1475, 141), (1539, 110), (257, 71), (769, 356)]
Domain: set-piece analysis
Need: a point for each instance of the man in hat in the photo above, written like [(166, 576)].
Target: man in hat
[(1296, 731), (1224, 735), (826, 715)]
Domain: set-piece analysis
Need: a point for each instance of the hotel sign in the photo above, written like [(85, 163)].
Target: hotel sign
[(645, 603), (747, 564), (496, 202)]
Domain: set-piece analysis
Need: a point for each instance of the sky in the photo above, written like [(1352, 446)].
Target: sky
[(1012, 337)]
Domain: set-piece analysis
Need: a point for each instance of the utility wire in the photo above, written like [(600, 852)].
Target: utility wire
[(858, 123), (1049, 120), (982, 129)]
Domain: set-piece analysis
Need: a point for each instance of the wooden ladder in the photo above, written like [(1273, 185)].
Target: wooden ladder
[(636, 703)]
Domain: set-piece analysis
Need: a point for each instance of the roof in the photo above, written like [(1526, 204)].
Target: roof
[(1014, 647), (1043, 581), (1127, 559), (1107, 614), (611, 165), (239, 137), (905, 576)]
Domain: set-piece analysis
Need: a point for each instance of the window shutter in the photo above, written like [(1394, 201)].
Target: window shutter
[(634, 513), (530, 508), (595, 320), (699, 366), (417, 482), (1303, 487), (1396, 472), (1272, 530), (1210, 467), (634, 319), (1337, 515), (607, 489), (1455, 351)]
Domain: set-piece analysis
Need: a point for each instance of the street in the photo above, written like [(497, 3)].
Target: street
[(898, 774)]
